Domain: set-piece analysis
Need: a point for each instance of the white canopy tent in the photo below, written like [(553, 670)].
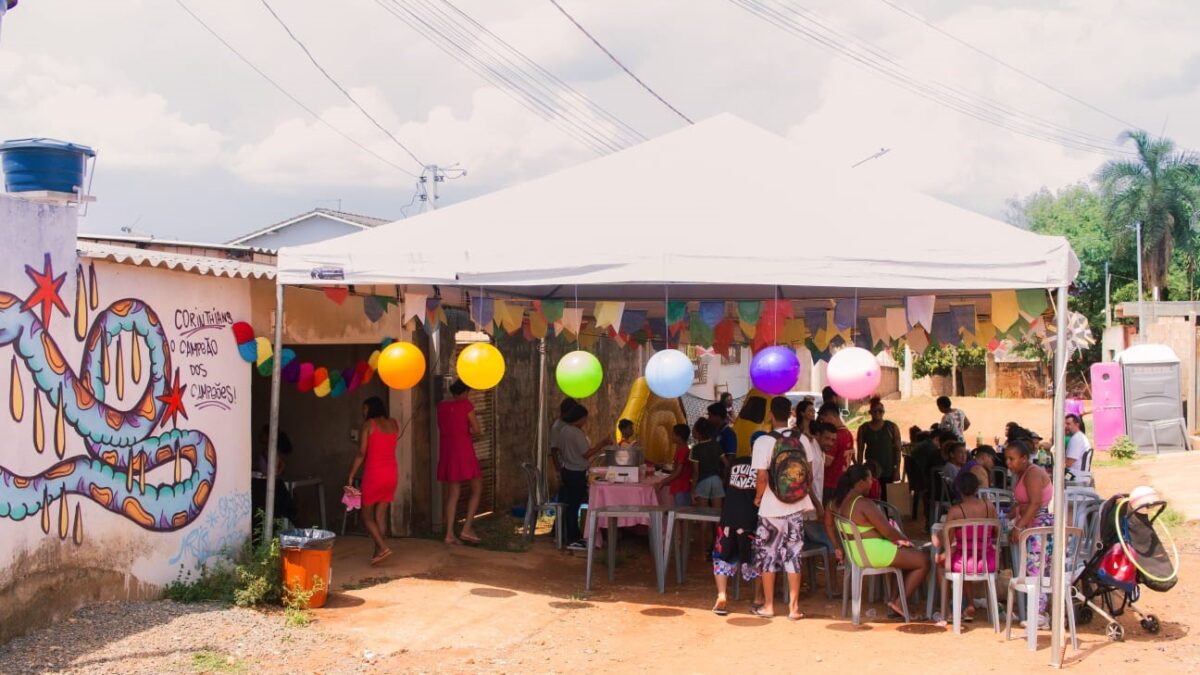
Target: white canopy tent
[(718, 210)]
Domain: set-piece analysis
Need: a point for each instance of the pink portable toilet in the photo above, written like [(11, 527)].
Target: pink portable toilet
[(1108, 404)]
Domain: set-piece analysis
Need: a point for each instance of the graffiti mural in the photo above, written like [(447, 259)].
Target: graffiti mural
[(125, 344)]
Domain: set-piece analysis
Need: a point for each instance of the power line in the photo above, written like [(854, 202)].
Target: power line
[(800, 22), (288, 94), (620, 65), (1015, 69), (338, 85), (525, 81)]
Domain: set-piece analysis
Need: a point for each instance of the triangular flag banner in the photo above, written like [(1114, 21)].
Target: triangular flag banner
[(633, 320), (526, 329), (793, 332), (676, 311), (552, 310), (701, 332), (964, 317), (749, 311), (748, 329), (920, 310), (814, 319), (845, 313), (985, 332), (1005, 310), (587, 340), (1032, 302), (944, 330), (917, 339), (372, 308), (862, 335), (658, 331), (514, 320), (818, 355), (897, 322), (878, 327), (483, 311), (608, 313), (723, 337), (572, 320), (414, 306), (712, 312), (337, 294), (822, 339), (537, 325), (843, 333), (386, 301)]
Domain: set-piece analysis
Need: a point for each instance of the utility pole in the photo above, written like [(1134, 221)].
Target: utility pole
[(429, 181), (1107, 297), (1141, 294)]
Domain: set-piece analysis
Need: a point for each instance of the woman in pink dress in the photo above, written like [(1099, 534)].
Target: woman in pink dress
[(457, 462), (377, 457)]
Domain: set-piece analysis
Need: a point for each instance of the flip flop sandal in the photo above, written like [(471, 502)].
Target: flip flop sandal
[(470, 539), (796, 617), (381, 557), (720, 610), (758, 611)]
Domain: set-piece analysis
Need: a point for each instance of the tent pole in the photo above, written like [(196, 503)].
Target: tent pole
[(1060, 600), (273, 425), (541, 413), (435, 367)]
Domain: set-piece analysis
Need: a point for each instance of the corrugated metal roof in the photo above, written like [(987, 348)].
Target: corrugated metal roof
[(218, 267)]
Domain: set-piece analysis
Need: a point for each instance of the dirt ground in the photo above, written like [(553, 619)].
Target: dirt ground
[(432, 608)]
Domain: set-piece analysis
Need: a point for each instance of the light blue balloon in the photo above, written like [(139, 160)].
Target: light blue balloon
[(669, 373)]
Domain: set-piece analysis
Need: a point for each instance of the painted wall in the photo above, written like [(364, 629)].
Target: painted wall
[(126, 419), (316, 228)]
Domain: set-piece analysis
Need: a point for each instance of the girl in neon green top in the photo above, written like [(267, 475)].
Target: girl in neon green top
[(884, 545)]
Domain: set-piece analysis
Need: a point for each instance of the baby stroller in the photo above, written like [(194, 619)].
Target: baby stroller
[(1129, 554)]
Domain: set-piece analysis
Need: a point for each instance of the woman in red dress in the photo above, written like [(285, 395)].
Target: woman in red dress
[(457, 462), (377, 457)]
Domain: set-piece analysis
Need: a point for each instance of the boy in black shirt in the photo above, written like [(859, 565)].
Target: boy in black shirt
[(735, 534)]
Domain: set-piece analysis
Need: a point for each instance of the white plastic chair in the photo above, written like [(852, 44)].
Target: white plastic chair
[(939, 496), (1001, 500), (972, 538), (537, 503), (849, 536), (1033, 585)]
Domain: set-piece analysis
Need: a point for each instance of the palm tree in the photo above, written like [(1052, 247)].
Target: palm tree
[(1160, 188)]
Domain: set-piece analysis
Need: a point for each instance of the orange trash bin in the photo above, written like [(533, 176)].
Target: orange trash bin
[(307, 557)]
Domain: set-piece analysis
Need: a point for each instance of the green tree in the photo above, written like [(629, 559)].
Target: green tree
[(1159, 188)]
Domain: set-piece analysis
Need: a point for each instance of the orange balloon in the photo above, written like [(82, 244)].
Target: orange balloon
[(401, 365)]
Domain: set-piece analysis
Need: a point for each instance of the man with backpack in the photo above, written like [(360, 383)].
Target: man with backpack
[(784, 481)]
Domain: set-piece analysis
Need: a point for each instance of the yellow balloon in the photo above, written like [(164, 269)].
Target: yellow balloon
[(481, 366), (401, 365)]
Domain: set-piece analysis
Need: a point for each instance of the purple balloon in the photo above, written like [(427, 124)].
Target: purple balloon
[(775, 370)]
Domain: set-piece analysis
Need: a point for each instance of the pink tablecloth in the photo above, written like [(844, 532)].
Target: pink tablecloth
[(652, 493)]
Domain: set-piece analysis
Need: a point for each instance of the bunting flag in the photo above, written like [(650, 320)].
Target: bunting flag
[(633, 320), (658, 332), (862, 335), (372, 308), (483, 311), (537, 325), (814, 319), (844, 334), (701, 333), (917, 339), (985, 332), (748, 311), (897, 322), (845, 313), (509, 316), (337, 294), (964, 317), (920, 310), (434, 315), (587, 340), (879, 329), (712, 312), (723, 337), (608, 313), (749, 330), (818, 355), (552, 310), (794, 332), (414, 306), (676, 312), (945, 331), (822, 340), (1005, 310), (321, 381), (1032, 302), (572, 320)]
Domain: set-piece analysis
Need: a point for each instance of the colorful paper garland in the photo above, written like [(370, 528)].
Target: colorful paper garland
[(321, 381)]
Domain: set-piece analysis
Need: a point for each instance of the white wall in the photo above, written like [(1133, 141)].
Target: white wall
[(148, 530), (307, 231)]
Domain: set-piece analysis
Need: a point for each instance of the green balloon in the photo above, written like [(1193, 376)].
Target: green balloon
[(579, 374)]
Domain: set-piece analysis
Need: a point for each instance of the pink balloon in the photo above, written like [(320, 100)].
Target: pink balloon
[(853, 373)]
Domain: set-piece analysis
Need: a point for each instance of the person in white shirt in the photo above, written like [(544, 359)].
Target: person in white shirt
[(953, 419), (780, 535), (1078, 444)]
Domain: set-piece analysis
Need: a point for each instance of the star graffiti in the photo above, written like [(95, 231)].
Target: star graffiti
[(46, 291), (173, 400)]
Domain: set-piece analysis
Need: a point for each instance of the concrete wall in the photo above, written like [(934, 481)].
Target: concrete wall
[(92, 533), (312, 229)]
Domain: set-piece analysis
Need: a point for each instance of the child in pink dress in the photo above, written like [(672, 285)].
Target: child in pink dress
[(457, 462)]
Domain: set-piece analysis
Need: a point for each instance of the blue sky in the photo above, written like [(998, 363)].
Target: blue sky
[(195, 145)]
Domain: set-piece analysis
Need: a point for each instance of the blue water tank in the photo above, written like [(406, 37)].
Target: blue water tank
[(32, 164)]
